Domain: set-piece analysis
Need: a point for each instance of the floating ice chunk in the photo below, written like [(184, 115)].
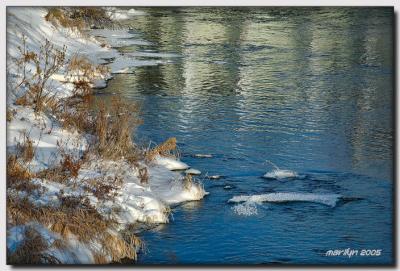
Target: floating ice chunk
[(200, 155), (278, 173), (193, 171), (281, 174), (170, 163), (214, 177), (245, 209), (327, 199)]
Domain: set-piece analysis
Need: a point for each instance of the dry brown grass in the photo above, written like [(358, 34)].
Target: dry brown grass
[(103, 188), (55, 174), (68, 168), (25, 149), (79, 18), (78, 118), (91, 15), (82, 220), (71, 165), (16, 171), (75, 217), (81, 71), (114, 129), (32, 250), (59, 17), (119, 248), (164, 148), (23, 101), (9, 115)]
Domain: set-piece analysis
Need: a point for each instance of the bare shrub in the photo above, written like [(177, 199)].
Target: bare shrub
[(47, 62), (25, 57)]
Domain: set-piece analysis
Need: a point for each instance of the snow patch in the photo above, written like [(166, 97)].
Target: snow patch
[(170, 163)]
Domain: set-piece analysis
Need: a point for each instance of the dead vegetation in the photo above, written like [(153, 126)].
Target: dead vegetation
[(110, 125), (32, 250), (71, 165), (25, 149), (114, 129), (78, 17), (47, 62), (103, 188), (16, 171), (74, 217), (166, 148), (58, 17), (10, 115), (82, 72)]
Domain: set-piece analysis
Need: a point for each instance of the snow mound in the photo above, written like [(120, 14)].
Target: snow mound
[(170, 163), (167, 185), (326, 199), (281, 174)]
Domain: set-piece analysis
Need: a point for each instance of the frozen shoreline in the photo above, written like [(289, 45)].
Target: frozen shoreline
[(133, 201)]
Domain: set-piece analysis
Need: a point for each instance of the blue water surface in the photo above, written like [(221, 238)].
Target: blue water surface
[(309, 89)]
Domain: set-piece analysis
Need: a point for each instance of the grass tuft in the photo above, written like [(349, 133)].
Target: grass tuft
[(114, 128), (164, 149)]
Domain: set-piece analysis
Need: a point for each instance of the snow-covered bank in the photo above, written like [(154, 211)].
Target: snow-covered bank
[(116, 189)]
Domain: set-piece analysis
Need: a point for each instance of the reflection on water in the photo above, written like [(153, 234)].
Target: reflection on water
[(310, 89)]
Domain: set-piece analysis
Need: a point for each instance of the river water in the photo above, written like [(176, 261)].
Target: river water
[(310, 90)]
